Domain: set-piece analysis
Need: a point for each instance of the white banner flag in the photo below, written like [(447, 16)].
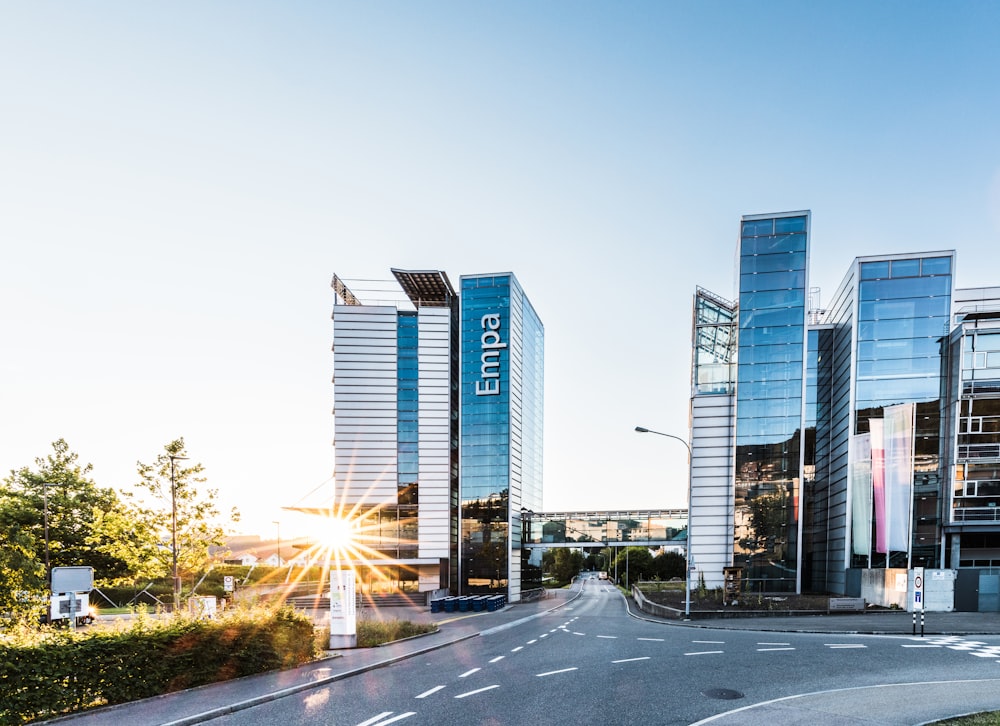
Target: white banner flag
[(898, 439), (861, 494)]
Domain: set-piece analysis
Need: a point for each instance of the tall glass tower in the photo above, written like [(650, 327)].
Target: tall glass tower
[(501, 406), (770, 394)]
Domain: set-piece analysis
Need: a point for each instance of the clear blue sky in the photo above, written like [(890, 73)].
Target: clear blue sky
[(178, 182)]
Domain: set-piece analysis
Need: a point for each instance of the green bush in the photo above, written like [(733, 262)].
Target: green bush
[(375, 632), (51, 672)]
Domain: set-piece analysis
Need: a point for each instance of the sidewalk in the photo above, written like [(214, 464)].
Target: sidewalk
[(200, 704)]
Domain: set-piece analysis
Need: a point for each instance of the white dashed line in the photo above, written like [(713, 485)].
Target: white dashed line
[(768, 650), (499, 657), (921, 646), (654, 640), (773, 643), (843, 645), (629, 660), (576, 633), (394, 719), (468, 673), (609, 637), (375, 719), (706, 652), (514, 650), (425, 694), (552, 673), (478, 690), (544, 635), (532, 642), (713, 642)]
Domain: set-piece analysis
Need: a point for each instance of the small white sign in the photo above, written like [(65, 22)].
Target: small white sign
[(228, 583), (343, 612)]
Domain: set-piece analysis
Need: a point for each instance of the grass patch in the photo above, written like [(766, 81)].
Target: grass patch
[(376, 632), (989, 718)]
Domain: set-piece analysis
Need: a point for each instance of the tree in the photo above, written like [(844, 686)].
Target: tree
[(74, 502), (142, 534), (567, 564), (22, 577), (634, 564), (668, 566)]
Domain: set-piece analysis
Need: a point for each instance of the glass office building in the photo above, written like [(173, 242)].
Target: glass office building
[(770, 388), (438, 429), (863, 433), (501, 412)]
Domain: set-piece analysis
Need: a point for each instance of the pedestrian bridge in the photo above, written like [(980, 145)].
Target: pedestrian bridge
[(644, 527)]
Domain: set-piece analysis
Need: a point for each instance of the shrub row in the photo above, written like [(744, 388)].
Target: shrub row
[(60, 672)]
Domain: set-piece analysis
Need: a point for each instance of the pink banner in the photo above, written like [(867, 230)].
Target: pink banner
[(878, 484)]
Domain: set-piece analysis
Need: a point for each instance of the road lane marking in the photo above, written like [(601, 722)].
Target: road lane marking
[(394, 719), (712, 642), (425, 694), (532, 642), (629, 660), (544, 635), (552, 673), (706, 652), (921, 646), (478, 690), (609, 637), (499, 657), (375, 719), (768, 650), (844, 645), (655, 640), (576, 633), (520, 647), (773, 643), (468, 673)]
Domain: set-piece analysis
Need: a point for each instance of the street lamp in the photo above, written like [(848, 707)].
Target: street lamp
[(688, 556), (45, 508), (173, 528)]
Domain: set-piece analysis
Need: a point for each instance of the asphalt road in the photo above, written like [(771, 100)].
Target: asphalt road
[(591, 663)]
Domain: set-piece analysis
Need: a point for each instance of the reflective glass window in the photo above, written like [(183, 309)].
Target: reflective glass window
[(905, 287), (773, 263), (771, 354), (789, 224), (772, 280), (903, 328), (920, 307), (898, 390), (771, 316), (772, 299), (874, 270), (770, 245), (769, 407), (904, 268), (756, 228), (898, 348), (936, 266), (771, 335)]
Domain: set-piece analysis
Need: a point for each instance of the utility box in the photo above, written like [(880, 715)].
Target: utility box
[(203, 606), (70, 608)]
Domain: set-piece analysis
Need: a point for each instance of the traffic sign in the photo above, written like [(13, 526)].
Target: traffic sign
[(918, 588)]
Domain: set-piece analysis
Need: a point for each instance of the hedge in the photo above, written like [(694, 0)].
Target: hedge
[(58, 672)]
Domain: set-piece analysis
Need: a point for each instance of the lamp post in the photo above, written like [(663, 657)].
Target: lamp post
[(278, 525), (688, 557), (173, 528), (45, 509)]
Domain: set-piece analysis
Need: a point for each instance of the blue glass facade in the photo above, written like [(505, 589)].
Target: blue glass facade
[(903, 312), (500, 460), (769, 399)]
